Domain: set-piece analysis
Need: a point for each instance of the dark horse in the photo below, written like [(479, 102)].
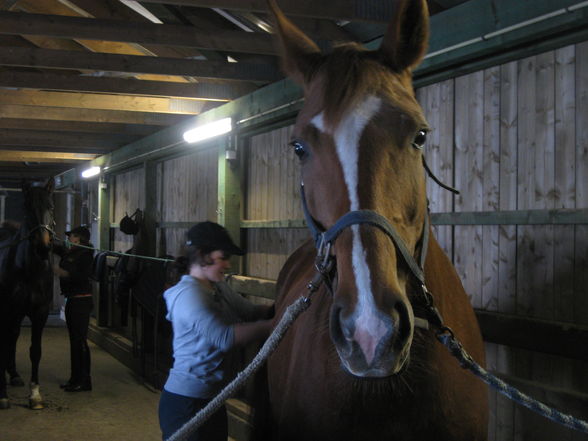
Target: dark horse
[(360, 364), (26, 280)]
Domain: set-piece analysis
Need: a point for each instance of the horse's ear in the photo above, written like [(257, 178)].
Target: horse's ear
[(298, 51), (50, 185), (407, 36)]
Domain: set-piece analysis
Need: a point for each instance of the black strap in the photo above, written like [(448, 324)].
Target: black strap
[(369, 217)]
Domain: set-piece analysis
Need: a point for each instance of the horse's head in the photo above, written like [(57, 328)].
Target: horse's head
[(359, 137), (39, 211)]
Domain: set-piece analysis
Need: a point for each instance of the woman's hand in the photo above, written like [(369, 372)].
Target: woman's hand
[(252, 331), (59, 272)]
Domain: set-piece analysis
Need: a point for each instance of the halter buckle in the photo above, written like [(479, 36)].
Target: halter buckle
[(323, 256)]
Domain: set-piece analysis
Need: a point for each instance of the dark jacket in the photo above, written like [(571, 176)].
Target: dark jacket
[(78, 262)]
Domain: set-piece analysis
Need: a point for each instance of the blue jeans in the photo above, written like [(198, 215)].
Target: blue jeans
[(175, 410)]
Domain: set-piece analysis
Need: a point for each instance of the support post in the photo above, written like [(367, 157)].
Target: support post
[(229, 190), (151, 213), (103, 243)]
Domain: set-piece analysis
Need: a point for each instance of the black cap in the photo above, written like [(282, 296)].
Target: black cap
[(81, 231), (210, 236)]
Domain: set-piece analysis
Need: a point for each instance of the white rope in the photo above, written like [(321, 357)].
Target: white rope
[(292, 312)]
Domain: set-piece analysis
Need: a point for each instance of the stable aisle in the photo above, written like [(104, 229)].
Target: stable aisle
[(119, 408)]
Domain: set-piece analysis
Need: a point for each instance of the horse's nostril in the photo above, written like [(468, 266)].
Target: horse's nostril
[(403, 323)]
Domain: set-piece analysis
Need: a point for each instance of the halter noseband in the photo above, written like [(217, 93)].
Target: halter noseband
[(323, 240)]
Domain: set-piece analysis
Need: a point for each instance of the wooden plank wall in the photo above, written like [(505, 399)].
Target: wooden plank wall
[(271, 192), (188, 192), (517, 134), (128, 195)]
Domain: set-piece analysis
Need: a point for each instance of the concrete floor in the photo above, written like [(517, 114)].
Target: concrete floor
[(119, 408)]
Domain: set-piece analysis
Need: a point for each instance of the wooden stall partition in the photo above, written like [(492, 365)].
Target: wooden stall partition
[(520, 147), (271, 198), (188, 193)]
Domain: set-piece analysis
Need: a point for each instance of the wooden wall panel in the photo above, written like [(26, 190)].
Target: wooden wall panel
[(189, 191), (128, 195), (272, 192), (520, 143), (272, 188), (268, 249), (437, 103), (469, 160)]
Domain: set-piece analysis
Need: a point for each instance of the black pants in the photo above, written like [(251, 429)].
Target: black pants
[(175, 410), (77, 317)]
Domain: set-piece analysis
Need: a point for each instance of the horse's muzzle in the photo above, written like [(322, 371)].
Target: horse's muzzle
[(372, 343)]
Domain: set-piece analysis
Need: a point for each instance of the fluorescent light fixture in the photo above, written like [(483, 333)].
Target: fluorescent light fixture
[(208, 130), (92, 171)]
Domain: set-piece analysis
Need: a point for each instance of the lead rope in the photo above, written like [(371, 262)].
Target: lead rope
[(446, 337)]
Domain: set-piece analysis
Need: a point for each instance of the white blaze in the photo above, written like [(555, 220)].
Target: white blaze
[(347, 136)]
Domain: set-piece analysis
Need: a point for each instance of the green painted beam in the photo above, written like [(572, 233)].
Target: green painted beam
[(229, 192), (292, 223)]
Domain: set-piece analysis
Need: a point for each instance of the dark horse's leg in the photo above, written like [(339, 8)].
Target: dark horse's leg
[(4, 403), (14, 333), (38, 320)]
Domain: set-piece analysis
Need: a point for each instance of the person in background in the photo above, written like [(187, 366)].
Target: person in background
[(210, 322), (74, 271)]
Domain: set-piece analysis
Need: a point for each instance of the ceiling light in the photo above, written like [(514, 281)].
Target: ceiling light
[(92, 171), (208, 130)]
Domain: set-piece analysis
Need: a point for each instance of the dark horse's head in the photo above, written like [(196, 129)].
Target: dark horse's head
[(39, 220), (359, 137)]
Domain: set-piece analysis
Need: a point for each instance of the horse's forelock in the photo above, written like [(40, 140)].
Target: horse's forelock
[(349, 73)]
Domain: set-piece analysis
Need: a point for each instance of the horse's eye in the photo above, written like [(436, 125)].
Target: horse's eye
[(420, 139), (299, 149)]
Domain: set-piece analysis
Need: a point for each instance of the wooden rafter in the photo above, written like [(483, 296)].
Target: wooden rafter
[(17, 23), (22, 137), (55, 157), (101, 101), (47, 58), (352, 10), (88, 115), (79, 127)]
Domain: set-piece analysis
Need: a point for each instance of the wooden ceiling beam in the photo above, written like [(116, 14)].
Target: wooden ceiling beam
[(51, 148), (101, 101), (88, 115), (18, 23), (9, 172), (79, 126), (54, 157), (350, 10), (124, 86), (137, 64), (20, 137)]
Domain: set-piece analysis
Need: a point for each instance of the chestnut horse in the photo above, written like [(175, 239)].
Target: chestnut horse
[(355, 365)]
